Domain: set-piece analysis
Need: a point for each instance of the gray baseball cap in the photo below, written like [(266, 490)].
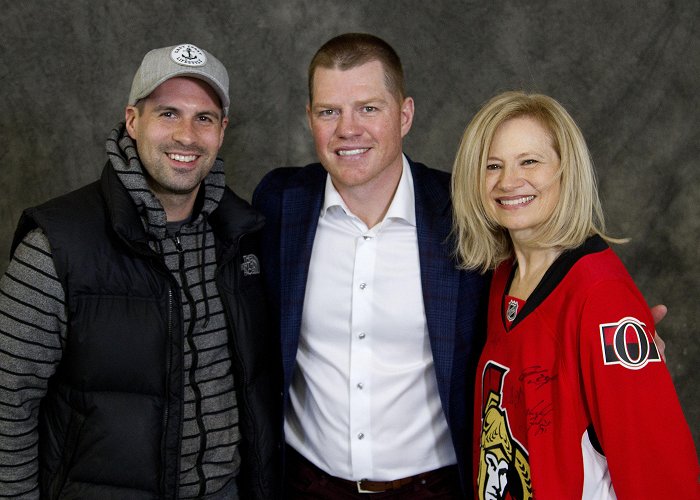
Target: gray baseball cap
[(185, 59)]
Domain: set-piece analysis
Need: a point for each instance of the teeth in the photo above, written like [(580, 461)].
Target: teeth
[(351, 152), (517, 201), (183, 158)]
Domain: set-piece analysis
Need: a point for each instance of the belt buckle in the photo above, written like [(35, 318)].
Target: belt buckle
[(362, 490)]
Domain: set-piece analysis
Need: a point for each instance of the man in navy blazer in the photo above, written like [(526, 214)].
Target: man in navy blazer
[(347, 437)]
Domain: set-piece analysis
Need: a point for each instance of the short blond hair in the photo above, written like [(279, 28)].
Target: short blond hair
[(350, 50), (481, 244)]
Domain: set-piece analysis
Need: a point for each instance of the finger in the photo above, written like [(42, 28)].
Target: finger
[(660, 345), (658, 312)]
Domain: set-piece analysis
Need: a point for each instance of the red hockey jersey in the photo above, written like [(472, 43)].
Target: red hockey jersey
[(574, 401)]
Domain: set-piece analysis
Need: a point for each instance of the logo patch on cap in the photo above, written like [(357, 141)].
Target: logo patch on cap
[(188, 55)]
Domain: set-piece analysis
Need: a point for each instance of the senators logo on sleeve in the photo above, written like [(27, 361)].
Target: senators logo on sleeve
[(628, 343)]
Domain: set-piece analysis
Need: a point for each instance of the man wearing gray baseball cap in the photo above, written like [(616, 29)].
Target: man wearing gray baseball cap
[(141, 362)]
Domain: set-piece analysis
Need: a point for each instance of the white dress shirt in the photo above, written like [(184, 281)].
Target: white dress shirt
[(364, 401)]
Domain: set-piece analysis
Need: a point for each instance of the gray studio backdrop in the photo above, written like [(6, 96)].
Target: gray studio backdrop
[(627, 70)]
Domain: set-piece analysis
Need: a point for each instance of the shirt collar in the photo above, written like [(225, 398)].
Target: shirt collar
[(402, 206)]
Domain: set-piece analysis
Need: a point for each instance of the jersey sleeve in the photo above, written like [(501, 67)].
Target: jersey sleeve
[(32, 333), (631, 399)]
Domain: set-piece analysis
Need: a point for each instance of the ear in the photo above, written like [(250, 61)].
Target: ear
[(407, 110), (131, 119), (224, 124), (308, 115)]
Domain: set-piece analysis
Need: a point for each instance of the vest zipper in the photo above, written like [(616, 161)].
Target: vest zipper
[(189, 336), (168, 365)]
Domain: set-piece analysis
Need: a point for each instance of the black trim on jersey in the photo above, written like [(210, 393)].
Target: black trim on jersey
[(552, 277), (593, 437)]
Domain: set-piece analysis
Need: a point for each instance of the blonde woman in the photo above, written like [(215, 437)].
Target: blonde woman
[(573, 399)]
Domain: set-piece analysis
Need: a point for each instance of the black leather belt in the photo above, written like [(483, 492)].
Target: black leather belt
[(367, 486)]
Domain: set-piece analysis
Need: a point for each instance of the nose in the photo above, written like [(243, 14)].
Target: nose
[(348, 125), (184, 133), (510, 178)]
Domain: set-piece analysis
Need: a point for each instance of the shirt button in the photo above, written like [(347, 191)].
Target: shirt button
[(360, 436), (360, 385), (361, 335), (363, 286), (367, 238)]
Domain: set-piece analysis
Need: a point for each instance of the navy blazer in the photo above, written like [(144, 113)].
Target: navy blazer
[(291, 199)]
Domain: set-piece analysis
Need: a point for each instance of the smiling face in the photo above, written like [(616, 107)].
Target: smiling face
[(178, 131), (522, 181), (358, 126)]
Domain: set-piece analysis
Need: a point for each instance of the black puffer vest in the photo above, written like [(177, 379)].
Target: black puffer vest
[(110, 426)]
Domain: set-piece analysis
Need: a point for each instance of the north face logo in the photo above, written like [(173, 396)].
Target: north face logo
[(250, 265)]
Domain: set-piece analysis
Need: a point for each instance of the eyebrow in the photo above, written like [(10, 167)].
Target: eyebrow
[(362, 102), (167, 107), (529, 153), (519, 155)]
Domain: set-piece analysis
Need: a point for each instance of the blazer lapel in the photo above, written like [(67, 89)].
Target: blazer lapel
[(301, 206), (439, 276)]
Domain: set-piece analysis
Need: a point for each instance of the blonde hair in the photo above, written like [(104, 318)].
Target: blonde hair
[(482, 244)]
